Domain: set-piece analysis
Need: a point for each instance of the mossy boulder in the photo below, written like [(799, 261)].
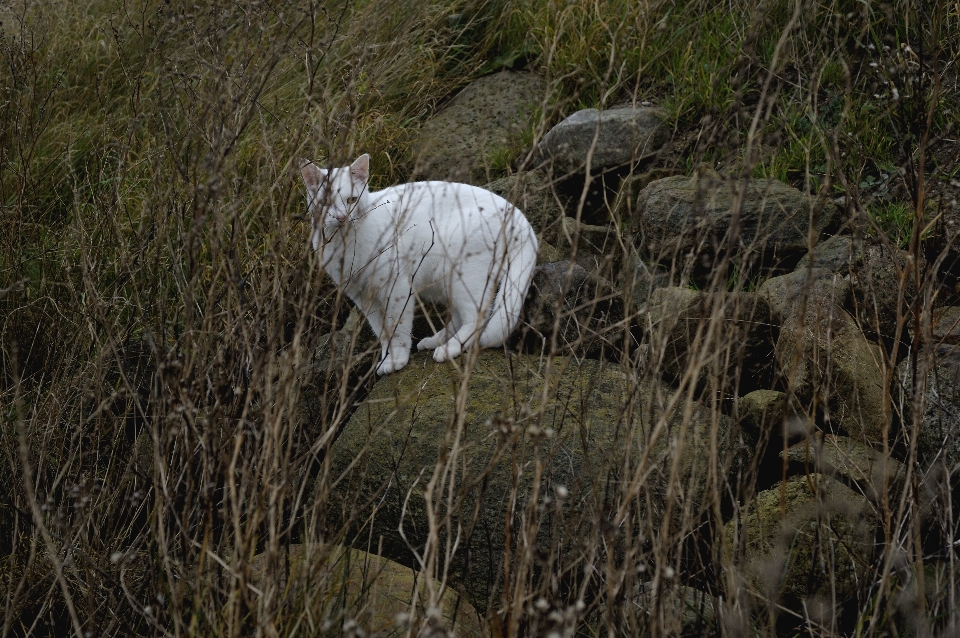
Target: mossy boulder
[(802, 287), (360, 590), (834, 371), (935, 386), (638, 279), (487, 117), (459, 458), (808, 541), (839, 254), (696, 223), (884, 288), (873, 472), (945, 326)]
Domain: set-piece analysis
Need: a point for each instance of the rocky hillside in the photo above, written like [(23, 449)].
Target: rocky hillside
[(731, 406)]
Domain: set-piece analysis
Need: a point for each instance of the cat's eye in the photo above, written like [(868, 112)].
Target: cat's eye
[(352, 200)]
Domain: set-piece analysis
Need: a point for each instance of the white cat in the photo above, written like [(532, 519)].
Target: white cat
[(456, 244)]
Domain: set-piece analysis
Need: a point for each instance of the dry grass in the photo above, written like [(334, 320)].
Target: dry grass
[(165, 418)]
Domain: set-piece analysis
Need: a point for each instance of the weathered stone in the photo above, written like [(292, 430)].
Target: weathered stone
[(766, 414), (612, 138), (937, 385), (839, 254), (945, 326), (726, 337), (589, 238), (699, 222), (625, 203), (547, 253), (486, 117), (832, 367), (597, 248), (582, 310), (366, 591), (802, 287), (840, 457), (807, 541), (469, 449), (876, 287), (638, 280), (942, 244)]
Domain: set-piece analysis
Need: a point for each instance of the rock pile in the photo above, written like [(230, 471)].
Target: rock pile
[(694, 347)]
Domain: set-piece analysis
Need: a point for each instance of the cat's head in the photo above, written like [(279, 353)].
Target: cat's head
[(334, 195)]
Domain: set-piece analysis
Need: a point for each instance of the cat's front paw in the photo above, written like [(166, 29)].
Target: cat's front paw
[(449, 350), (392, 363), (428, 343)]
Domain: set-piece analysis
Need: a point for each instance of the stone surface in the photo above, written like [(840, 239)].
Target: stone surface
[(721, 338), (695, 223), (547, 253), (639, 279), (582, 310), (802, 287), (840, 457), (839, 254), (883, 287), (937, 383), (833, 369), (624, 204), (365, 591), (594, 247), (486, 117), (766, 414), (945, 328), (521, 436), (614, 137), (942, 244), (808, 541)]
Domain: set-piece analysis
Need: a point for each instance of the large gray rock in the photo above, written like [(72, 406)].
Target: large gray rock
[(801, 287), (839, 254), (539, 444), (375, 595), (832, 368), (769, 414), (840, 457), (806, 544), (342, 363), (695, 223), (945, 327), (614, 137), (884, 289), (639, 279), (487, 117), (932, 397)]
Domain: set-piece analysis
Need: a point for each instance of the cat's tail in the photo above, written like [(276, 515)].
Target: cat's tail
[(521, 259)]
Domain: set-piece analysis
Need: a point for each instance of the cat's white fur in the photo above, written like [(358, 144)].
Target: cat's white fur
[(455, 244)]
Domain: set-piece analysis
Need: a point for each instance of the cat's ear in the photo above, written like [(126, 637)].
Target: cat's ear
[(312, 175), (360, 169)]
